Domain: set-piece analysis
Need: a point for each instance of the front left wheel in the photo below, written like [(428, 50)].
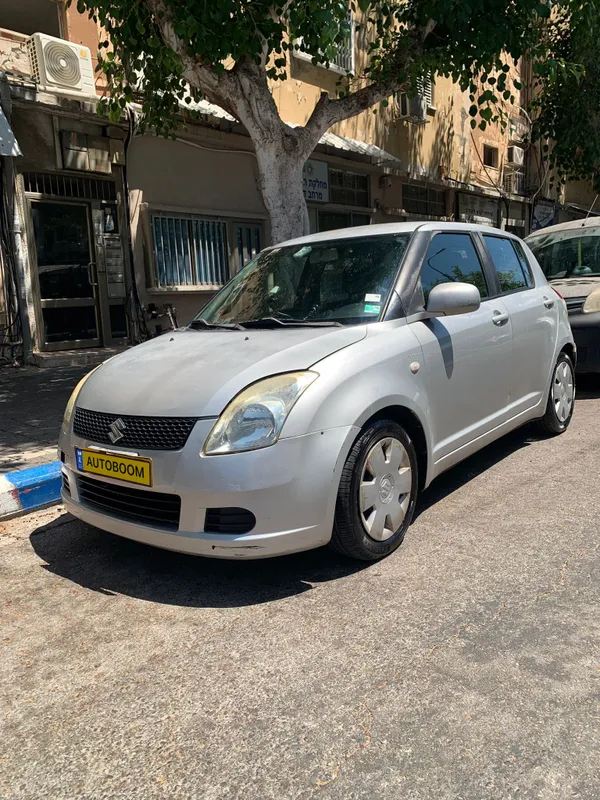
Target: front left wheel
[(377, 493)]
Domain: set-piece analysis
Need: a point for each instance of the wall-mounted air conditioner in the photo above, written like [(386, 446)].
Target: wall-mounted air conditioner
[(60, 66), (516, 156), (411, 108), (514, 182)]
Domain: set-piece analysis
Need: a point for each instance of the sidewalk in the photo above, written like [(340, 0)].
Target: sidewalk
[(32, 404)]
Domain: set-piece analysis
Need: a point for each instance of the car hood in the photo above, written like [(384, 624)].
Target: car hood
[(575, 287), (197, 372)]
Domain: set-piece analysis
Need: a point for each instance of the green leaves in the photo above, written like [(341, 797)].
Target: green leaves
[(477, 44)]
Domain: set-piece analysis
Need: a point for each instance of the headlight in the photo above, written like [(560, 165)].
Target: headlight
[(73, 399), (592, 302), (255, 417)]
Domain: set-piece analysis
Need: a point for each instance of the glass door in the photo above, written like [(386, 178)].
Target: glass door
[(68, 288)]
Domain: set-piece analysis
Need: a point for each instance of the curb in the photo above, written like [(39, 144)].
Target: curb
[(29, 489)]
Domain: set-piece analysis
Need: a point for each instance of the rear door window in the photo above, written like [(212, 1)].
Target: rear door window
[(511, 269)]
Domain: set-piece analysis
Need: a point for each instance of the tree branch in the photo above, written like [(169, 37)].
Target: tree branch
[(327, 111), (213, 84)]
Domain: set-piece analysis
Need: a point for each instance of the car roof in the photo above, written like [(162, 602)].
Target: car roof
[(592, 222), (394, 227)]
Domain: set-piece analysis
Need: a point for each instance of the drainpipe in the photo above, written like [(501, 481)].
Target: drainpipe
[(12, 213)]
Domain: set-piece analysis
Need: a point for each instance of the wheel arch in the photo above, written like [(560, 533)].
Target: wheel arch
[(571, 351), (414, 427)]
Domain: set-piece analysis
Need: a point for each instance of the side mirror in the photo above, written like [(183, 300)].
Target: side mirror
[(448, 299)]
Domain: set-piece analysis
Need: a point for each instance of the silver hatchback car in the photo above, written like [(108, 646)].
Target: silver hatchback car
[(328, 382)]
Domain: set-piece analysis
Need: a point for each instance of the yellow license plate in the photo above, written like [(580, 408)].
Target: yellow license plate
[(124, 468)]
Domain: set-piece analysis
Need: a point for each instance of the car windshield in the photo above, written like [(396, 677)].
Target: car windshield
[(338, 281), (568, 254)]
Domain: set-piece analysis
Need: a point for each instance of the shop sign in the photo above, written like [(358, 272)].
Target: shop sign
[(543, 214), (315, 181), (477, 209)]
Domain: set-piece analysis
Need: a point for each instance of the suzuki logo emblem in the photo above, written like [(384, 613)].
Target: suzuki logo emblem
[(115, 430)]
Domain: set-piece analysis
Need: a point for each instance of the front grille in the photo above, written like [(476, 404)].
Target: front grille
[(65, 484), (135, 505), (229, 520), (143, 433)]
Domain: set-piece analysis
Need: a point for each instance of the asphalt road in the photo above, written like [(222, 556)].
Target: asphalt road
[(464, 667)]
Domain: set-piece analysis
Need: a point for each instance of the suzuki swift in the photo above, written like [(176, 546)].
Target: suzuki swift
[(333, 378)]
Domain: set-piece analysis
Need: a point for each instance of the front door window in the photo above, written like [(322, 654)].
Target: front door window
[(65, 272)]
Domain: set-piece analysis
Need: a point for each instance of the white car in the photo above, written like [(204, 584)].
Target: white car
[(326, 384)]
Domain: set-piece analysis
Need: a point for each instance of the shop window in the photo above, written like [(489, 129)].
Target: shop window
[(189, 251), (332, 220), (424, 201), (348, 188), (32, 16), (490, 156)]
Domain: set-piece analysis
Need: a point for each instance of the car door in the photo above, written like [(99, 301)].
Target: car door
[(533, 313), (468, 357)]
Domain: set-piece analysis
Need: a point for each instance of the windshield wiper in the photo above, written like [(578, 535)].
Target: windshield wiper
[(225, 326), (268, 322)]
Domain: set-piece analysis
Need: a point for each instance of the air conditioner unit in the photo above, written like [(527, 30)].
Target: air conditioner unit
[(60, 66), (516, 155), (412, 108), (514, 182)]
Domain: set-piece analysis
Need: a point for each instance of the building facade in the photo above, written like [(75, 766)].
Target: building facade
[(109, 228)]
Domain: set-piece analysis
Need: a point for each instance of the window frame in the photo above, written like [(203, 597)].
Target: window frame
[(492, 265), (494, 149), (334, 187), (417, 304)]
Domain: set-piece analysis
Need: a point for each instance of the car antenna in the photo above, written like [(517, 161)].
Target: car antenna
[(591, 207)]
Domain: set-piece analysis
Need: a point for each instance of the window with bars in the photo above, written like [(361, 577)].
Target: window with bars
[(424, 201), (189, 251), (59, 185), (348, 188)]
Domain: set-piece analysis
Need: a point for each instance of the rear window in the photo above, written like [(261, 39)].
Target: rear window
[(510, 266)]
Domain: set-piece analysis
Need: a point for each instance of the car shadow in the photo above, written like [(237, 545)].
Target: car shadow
[(475, 465), (111, 565)]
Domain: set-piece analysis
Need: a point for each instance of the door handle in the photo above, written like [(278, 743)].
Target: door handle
[(90, 269), (548, 302), (499, 317)]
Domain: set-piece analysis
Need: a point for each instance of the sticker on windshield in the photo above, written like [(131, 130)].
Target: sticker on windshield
[(371, 309), (372, 298)]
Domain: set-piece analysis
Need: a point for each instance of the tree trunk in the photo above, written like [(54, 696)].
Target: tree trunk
[(280, 174)]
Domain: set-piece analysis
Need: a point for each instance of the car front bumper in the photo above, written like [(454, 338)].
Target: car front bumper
[(586, 332), (291, 489)]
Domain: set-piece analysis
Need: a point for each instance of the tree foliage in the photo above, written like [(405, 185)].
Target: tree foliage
[(167, 52)]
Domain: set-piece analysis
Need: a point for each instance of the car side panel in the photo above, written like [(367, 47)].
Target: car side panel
[(382, 370), (468, 361), (535, 328)]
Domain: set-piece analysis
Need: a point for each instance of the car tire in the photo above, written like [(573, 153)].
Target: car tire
[(561, 398), (381, 469)]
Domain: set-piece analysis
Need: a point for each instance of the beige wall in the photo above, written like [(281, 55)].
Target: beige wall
[(187, 178)]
